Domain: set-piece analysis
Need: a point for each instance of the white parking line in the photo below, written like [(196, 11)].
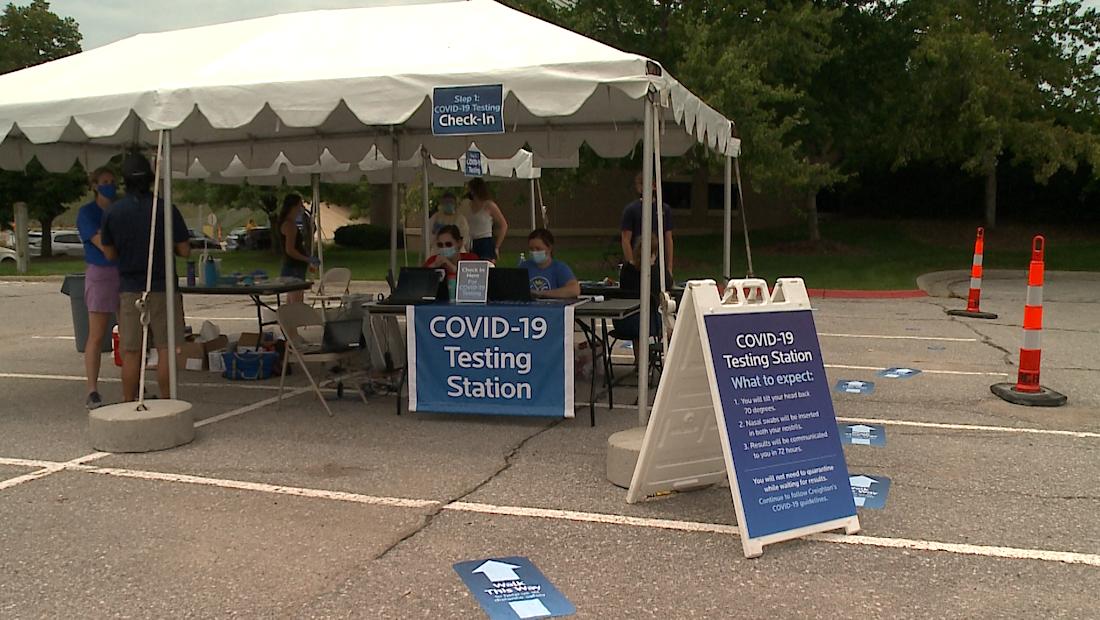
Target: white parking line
[(975, 427), (932, 372), (48, 468), (991, 551), (881, 337)]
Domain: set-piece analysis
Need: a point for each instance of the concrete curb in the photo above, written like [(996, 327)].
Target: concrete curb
[(938, 283)]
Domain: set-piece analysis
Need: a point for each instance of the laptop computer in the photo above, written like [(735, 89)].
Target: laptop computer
[(341, 336), (510, 284), (418, 285)]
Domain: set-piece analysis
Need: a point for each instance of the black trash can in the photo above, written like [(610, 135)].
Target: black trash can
[(74, 288)]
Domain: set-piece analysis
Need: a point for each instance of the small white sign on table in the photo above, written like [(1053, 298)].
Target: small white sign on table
[(473, 281)]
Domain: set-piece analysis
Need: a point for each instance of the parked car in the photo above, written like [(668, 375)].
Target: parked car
[(6, 255), (203, 241), (258, 238), (64, 243)]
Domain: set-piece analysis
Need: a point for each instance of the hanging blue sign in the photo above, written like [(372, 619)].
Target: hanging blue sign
[(854, 387), (468, 110), (863, 434), (473, 165), (482, 359), (870, 491), (779, 420), (899, 373), (513, 588)]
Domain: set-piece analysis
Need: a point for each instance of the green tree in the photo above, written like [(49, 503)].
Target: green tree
[(45, 194), (986, 79), (31, 35)]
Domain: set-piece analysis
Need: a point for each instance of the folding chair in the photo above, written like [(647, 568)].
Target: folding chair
[(333, 287), (298, 315)]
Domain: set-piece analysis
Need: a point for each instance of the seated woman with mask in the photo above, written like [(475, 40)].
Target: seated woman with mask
[(448, 214), (630, 281), (549, 276), (449, 245)]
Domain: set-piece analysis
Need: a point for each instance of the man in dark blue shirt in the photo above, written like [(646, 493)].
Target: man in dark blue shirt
[(631, 227), (125, 238), (100, 278)]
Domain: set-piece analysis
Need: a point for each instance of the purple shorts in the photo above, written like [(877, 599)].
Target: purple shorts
[(101, 288)]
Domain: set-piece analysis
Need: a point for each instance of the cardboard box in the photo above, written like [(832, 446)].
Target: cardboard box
[(249, 339), (195, 355)]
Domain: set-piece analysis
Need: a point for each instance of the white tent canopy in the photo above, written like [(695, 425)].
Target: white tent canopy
[(374, 166), (248, 90)]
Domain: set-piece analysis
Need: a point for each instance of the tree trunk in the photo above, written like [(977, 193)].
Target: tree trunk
[(811, 214), (47, 238), (991, 197)]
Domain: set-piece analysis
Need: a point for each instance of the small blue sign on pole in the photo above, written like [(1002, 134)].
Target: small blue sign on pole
[(854, 387), (513, 589), (899, 373), (468, 110), (870, 491), (473, 166), (862, 434)]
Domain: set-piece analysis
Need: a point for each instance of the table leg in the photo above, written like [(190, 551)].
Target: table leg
[(607, 365)]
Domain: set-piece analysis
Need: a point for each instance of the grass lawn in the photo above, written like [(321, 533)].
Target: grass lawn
[(865, 255)]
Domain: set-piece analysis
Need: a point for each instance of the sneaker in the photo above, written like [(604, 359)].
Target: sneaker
[(94, 401)]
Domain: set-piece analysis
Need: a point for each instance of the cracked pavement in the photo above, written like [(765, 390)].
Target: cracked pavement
[(291, 514)]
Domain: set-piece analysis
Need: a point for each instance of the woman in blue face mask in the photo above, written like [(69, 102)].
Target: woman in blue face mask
[(101, 279), (549, 276), (449, 245)]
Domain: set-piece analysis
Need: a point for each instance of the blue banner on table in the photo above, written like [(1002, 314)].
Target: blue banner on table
[(779, 419), (500, 359), (513, 589), (468, 110)]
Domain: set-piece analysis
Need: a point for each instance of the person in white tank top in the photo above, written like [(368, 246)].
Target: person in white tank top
[(481, 216)]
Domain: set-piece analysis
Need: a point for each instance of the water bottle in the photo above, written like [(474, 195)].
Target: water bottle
[(522, 258), (210, 272)]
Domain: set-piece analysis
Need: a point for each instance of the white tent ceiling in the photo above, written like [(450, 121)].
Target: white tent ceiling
[(345, 81)]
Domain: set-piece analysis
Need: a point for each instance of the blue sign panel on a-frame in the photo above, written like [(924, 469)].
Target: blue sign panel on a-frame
[(779, 418)]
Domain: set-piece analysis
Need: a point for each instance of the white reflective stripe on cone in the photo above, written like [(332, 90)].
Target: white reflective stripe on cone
[(1033, 339), (978, 259), (1034, 296), (976, 283)]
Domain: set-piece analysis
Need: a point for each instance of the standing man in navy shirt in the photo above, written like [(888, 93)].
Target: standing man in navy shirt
[(100, 278), (631, 227), (125, 238)]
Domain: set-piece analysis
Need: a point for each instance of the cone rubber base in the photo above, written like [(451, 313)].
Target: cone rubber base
[(1043, 398), (972, 315)]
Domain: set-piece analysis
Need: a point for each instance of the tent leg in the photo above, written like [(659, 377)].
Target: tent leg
[(394, 206), (315, 182), (534, 219), (647, 249), (744, 221), (169, 267), (425, 225), (727, 221)]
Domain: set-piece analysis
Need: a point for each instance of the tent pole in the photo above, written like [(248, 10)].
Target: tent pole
[(169, 266), (425, 225), (534, 219), (744, 222), (727, 221), (315, 182), (642, 352), (660, 204), (393, 206)]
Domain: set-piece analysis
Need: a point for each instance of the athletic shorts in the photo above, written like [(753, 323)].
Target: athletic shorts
[(101, 288), (129, 321), (485, 248), (293, 271)]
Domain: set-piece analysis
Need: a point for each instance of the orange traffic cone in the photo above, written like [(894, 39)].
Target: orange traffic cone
[(1027, 390), (973, 299)]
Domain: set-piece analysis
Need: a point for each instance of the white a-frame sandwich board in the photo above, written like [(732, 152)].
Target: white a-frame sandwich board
[(744, 396)]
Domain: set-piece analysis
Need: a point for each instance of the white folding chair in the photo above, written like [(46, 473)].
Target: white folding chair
[(298, 315), (333, 287)]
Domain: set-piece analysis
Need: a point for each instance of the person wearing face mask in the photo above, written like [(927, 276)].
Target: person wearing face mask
[(448, 215), (630, 283), (100, 277), (449, 245), (549, 276)]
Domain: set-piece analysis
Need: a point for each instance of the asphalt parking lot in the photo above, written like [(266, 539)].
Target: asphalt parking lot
[(994, 510)]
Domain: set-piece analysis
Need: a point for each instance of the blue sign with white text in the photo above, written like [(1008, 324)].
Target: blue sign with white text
[(473, 163), (513, 589), (855, 387), (468, 110), (482, 359), (870, 491), (779, 419), (899, 373), (863, 434)]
